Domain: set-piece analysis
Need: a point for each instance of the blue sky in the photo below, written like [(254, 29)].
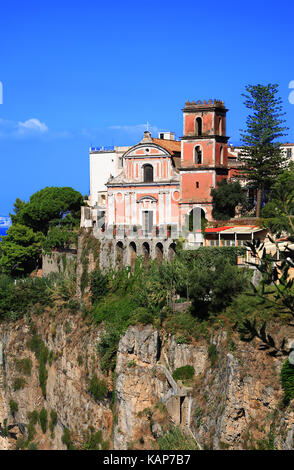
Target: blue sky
[(80, 73)]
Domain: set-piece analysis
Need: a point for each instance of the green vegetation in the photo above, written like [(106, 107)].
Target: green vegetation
[(184, 373), (53, 420), (208, 277), (212, 354), (66, 439), (20, 250), (98, 285), (278, 213), (98, 388), (41, 352), (49, 207), (23, 366), (174, 439), (225, 197), (13, 407), (47, 221), (19, 383), (287, 381), (43, 419), (261, 156), (94, 440)]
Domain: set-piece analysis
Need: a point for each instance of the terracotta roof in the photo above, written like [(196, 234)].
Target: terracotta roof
[(172, 146), (287, 145)]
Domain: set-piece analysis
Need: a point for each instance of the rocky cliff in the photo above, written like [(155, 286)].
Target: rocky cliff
[(233, 400)]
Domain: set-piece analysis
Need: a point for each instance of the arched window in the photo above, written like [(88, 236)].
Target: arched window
[(148, 173), (198, 126), (221, 156), (220, 130), (198, 155)]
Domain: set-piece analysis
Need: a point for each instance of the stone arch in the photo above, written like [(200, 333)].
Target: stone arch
[(132, 254), (221, 155), (220, 125), (171, 251), (146, 252), (198, 156), (195, 217), (159, 252), (119, 255), (198, 126)]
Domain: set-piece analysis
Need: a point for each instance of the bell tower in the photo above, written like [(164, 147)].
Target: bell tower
[(204, 153)]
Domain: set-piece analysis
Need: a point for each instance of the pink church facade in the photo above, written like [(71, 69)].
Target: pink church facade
[(146, 194), (162, 182)]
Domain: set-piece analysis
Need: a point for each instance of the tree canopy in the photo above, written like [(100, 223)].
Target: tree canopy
[(225, 197), (45, 221), (278, 213), (261, 156), (50, 206), (20, 250)]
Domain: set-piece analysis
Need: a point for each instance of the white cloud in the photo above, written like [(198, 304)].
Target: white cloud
[(32, 125), (29, 128)]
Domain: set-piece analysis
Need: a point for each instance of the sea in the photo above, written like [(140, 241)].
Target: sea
[(5, 223)]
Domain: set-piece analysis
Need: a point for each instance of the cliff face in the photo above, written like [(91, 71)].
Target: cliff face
[(233, 400)]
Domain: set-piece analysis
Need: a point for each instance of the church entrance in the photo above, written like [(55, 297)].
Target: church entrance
[(147, 220)]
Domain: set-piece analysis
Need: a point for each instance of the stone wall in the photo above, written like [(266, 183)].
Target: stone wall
[(63, 261)]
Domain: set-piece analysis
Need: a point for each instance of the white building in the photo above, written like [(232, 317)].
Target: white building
[(104, 163)]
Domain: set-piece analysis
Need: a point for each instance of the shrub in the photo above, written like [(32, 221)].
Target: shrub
[(24, 366), (66, 439), (32, 446), (43, 418), (212, 354), (184, 373), (33, 417), (53, 420), (287, 381), (98, 388), (98, 285), (13, 407), (174, 439), (19, 383), (93, 441)]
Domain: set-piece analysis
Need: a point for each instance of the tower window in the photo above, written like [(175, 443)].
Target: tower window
[(198, 126), (197, 184), (148, 173), (220, 131), (198, 155), (221, 156)]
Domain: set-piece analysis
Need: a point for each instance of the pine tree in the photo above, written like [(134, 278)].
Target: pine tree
[(261, 156)]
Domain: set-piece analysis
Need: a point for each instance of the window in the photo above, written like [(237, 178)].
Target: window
[(147, 221), (214, 243), (148, 173), (198, 155), (221, 156), (120, 162), (220, 126), (197, 184), (289, 153), (198, 126), (161, 136)]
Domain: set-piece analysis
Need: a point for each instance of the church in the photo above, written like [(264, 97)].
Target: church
[(162, 181)]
